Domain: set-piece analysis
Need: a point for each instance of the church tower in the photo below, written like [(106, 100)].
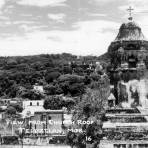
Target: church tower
[(126, 124), (128, 57)]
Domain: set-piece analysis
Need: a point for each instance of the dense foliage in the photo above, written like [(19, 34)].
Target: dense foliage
[(80, 79), (58, 74), (91, 108)]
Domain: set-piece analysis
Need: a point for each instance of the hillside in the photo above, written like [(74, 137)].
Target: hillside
[(19, 74)]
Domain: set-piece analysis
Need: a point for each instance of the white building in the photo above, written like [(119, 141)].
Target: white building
[(31, 106), (38, 88)]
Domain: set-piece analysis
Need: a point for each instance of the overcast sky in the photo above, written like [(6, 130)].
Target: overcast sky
[(81, 27)]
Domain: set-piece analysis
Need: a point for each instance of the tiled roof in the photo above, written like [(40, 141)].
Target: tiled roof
[(130, 31)]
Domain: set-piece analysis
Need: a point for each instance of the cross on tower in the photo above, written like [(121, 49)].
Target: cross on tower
[(130, 9)]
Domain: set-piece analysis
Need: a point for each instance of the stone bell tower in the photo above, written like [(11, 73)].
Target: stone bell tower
[(128, 56)]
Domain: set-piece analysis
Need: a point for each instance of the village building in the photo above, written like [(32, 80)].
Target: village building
[(43, 126), (38, 88), (31, 106)]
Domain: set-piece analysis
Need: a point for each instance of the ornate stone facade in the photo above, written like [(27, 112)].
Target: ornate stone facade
[(128, 54)]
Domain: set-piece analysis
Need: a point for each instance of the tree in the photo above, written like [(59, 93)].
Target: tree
[(11, 111), (72, 84), (92, 103), (71, 78), (18, 107), (12, 91), (67, 69), (53, 102), (71, 139), (77, 89), (92, 108), (50, 89), (32, 95), (51, 76), (69, 103)]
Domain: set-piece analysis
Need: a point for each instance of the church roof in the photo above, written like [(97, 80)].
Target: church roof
[(129, 31)]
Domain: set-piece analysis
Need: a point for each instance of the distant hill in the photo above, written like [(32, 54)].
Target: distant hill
[(65, 58), (104, 57), (22, 72)]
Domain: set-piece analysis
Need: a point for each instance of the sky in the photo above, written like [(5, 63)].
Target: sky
[(80, 27)]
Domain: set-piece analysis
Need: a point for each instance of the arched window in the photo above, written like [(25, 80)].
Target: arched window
[(37, 103), (30, 103)]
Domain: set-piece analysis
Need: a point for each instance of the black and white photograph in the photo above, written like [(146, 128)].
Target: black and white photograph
[(73, 73)]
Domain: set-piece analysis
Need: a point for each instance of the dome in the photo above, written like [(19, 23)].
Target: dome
[(129, 31)]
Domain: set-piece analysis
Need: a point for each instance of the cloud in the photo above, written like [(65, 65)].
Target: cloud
[(88, 38), (95, 25), (2, 3), (4, 18), (138, 5), (140, 10), (102, 2), (137, 1), (30, 28), (57, 17), (42, 3), (97, 14), (31, 35)]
